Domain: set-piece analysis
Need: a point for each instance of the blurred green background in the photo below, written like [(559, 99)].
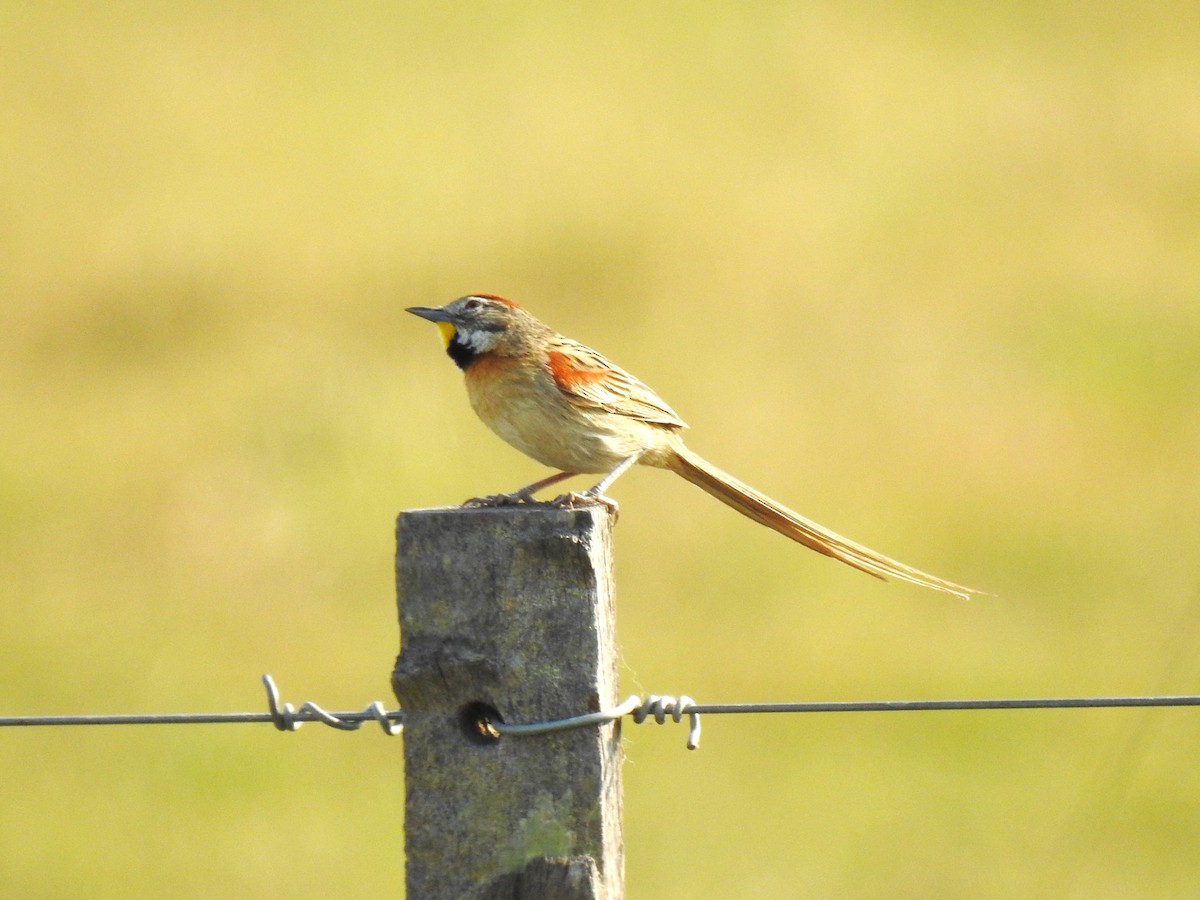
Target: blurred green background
[(928, 272)]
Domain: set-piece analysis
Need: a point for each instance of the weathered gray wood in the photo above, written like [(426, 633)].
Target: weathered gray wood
[(509, 609)]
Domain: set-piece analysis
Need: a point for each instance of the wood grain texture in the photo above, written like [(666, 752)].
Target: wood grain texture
[(508, 609)]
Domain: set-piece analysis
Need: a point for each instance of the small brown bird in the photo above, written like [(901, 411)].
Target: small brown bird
[(569, 408)]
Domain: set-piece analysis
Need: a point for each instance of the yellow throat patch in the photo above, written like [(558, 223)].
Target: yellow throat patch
[(447, 331)]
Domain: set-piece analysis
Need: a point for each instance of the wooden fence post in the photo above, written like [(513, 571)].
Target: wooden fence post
[(508, 611)]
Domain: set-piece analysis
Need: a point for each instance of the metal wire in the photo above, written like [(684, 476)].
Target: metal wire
[(920, 705), (661, 706), (655, 705), (286, 717)]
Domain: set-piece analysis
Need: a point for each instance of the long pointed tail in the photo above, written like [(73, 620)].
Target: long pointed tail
[(765, 511)]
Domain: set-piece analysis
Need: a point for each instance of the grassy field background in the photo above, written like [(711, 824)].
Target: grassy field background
[(928, 272)]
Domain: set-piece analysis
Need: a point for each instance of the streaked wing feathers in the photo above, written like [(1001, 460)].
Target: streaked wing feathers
[(589, 380)]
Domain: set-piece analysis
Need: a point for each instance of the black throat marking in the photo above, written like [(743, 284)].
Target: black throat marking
[(467, 346), (462, 354)]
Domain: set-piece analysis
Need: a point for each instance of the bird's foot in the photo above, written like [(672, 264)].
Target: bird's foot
[(575, 500), (572, 500), (517, 498)]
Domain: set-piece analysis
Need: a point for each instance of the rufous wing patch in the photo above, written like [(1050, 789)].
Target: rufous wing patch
[(568, 372), (589, 380)]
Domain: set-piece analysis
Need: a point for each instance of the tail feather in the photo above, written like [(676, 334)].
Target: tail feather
[(765, 511)]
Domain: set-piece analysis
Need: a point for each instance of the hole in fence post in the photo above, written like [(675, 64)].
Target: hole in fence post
[(506, 612), (476, 721)]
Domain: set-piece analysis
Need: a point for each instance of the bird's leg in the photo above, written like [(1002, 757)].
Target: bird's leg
[(527, 492), (523, 495), (598, 489), (595, 494)]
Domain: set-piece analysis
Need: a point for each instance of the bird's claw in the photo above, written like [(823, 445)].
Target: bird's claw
[(572, 500), (493, 500), (575, 500)]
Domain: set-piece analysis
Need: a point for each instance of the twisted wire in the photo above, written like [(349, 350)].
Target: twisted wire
[(659, 707)]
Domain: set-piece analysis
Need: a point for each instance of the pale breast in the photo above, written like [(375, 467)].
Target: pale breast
[(524, 406)]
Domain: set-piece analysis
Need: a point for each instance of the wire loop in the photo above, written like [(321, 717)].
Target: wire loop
[(656, 705), (661, 706), (285, 717)]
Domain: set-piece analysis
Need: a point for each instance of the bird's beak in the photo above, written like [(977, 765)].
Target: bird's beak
[(439, 316), (432, 313)]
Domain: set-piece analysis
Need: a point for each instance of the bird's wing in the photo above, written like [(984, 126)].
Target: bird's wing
[(589, 380)]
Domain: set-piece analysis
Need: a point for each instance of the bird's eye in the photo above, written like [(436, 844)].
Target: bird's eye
[(473, 304)]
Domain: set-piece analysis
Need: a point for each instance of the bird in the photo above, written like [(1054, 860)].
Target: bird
[(570, 409)]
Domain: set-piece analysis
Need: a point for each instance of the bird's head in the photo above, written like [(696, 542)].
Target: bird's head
[(474, 325)]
